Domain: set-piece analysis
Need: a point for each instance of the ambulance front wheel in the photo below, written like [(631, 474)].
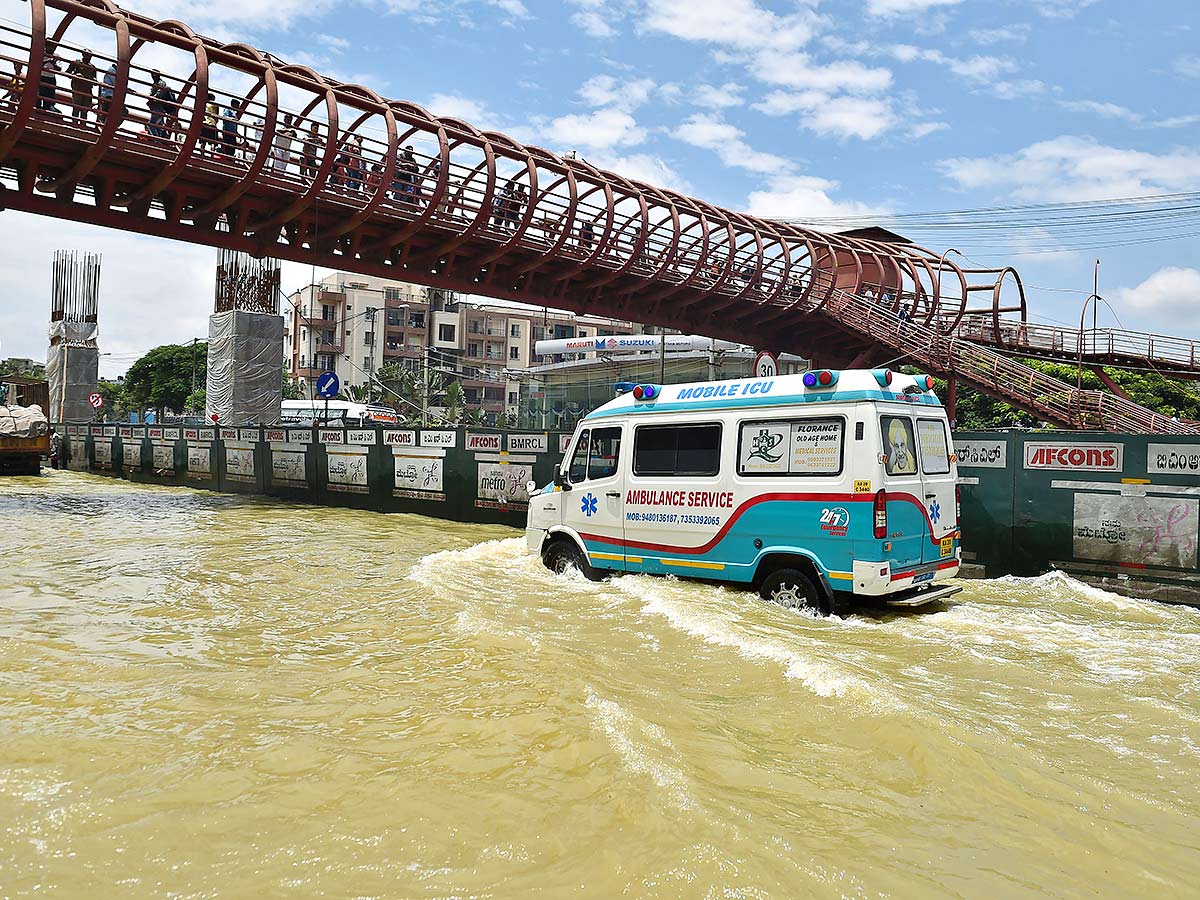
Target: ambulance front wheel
[(563, 555), (793, 589)]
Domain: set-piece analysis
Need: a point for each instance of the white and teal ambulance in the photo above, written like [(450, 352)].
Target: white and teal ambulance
[(816, 489)]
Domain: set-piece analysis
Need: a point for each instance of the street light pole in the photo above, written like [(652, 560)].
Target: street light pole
[(1095, 300)]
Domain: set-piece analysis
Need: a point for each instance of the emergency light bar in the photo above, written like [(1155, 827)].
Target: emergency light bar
[(820, 378)]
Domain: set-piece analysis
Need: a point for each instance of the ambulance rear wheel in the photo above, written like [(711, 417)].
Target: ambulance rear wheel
[(792, 589), (562, 556)]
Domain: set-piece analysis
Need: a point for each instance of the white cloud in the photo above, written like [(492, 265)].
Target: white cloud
[(837, 117), (1104, 110), (730, 23), (978, 69), (805, 197), (605, 90), (888, 8), (1170, 297), (1005, 34), (1176, 121), (514, 9), (596, 18), (728, 142), (1015, 90), (1061, 9), (643, 167), (256, 14), (794, 69), (603, 129), (924, 129), (474, 112), (1071, 168), (719, 97), (1187, 66), (333, 42)]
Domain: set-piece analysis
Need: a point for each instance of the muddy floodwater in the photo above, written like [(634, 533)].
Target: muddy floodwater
[(203, 696)]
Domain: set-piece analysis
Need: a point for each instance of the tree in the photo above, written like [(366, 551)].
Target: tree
[(293, 389), (355, 393), (163, 377), (114, 408), (23, 368), (455, 396)]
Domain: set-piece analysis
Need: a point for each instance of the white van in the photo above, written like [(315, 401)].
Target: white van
[(816, 489)]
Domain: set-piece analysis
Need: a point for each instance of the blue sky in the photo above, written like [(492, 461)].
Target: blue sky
[(800, 110)]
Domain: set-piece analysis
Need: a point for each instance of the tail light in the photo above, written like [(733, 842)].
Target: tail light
[(880, 514), (958, 503)]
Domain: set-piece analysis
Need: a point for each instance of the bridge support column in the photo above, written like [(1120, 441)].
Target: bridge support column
[(245, 343), (952, 401)]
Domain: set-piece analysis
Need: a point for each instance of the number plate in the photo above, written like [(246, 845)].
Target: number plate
[(927, 576), (947, 546)]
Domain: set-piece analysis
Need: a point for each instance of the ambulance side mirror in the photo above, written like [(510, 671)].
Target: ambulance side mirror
[(560, 480)]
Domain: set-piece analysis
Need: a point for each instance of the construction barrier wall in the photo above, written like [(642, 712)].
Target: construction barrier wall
[(468, 475), (1121, 511)]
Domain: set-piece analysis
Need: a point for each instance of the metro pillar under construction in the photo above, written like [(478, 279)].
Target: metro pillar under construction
[(245, 342), (73, 360)]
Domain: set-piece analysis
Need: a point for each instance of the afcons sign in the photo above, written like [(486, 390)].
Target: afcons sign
[(1074, 457)]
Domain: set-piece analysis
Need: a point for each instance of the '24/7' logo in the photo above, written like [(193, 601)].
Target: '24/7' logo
[(835, 520)]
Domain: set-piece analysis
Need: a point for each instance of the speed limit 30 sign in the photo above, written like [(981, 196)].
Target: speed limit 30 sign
[(766, 365)]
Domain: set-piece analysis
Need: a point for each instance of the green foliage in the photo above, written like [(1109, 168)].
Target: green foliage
[(293, 388), (162, 379), (355, 393), (22, 369), (195, 403)]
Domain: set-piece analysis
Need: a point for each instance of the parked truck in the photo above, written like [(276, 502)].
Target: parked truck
[(24, 429)]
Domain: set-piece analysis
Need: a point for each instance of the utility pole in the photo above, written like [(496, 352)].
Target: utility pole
[(712, 359), (425, 387), (662, 358), (193, 404)]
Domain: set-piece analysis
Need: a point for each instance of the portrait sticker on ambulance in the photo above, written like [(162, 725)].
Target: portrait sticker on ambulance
[(898, 445)]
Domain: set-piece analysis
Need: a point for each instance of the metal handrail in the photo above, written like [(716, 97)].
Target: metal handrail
[(998, 374)]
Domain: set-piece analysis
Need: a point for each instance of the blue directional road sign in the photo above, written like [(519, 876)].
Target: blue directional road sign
[(328, 385)]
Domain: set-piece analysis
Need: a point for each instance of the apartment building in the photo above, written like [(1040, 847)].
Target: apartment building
[(355, 324)]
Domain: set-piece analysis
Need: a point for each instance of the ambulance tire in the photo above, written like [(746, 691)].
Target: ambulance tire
[(562, 554), (793, 589)]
